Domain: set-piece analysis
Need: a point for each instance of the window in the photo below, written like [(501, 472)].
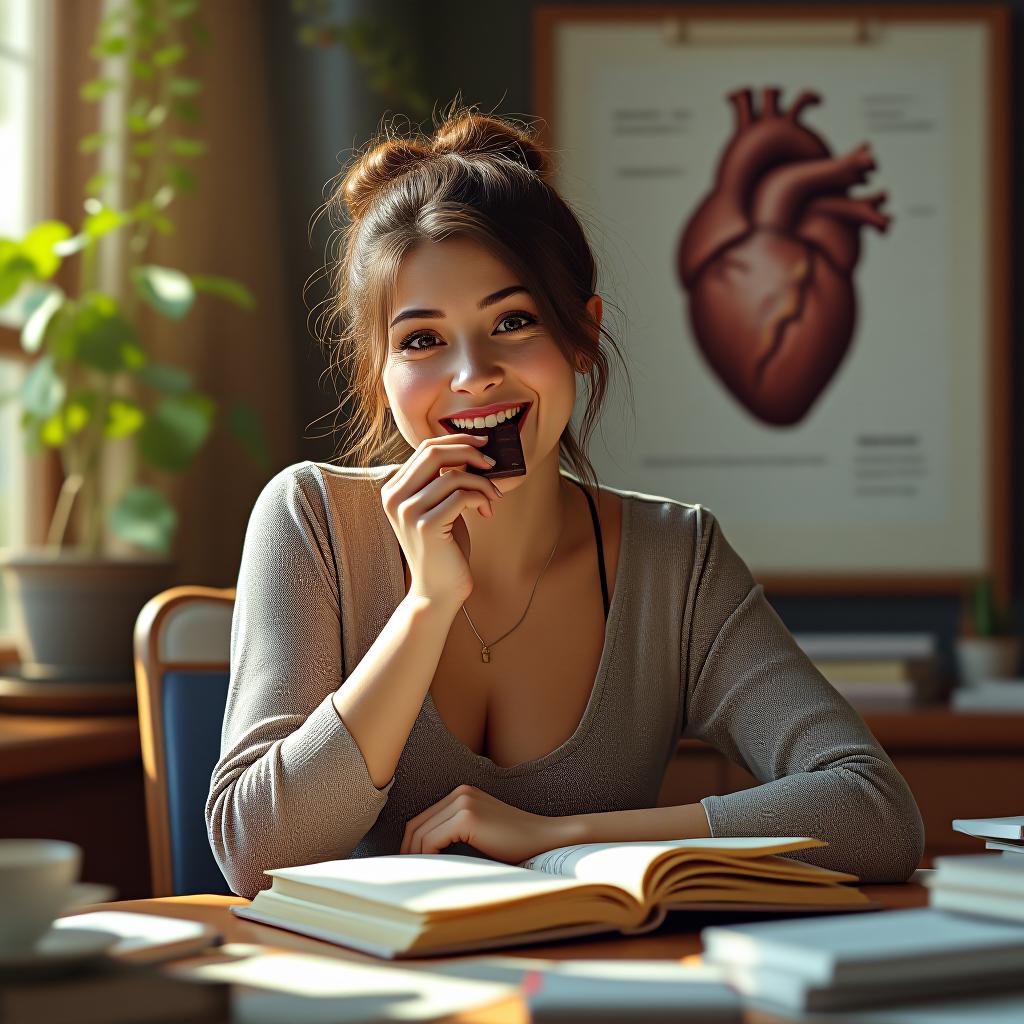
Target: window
[(24, 100)]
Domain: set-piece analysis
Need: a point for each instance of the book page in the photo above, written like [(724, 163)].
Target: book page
[(626, 865), (426, 883)]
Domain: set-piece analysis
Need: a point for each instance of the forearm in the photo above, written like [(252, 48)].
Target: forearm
[(686, 821), (382, 696)]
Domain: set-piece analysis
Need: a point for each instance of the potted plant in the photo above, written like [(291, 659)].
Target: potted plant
[(987, 648), (91, 384)]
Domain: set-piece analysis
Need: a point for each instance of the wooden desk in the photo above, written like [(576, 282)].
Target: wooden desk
[(677, 938)]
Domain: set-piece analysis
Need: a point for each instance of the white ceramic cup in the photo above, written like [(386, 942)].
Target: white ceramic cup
[(37, 884)]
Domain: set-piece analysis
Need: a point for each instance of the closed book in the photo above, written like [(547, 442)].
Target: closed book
[(992, 828), (987, 903), (413, 905), (849, 646), (1005, 845), (841, 951), (982, 870), (876, 670), (590, 991), (778, 989)]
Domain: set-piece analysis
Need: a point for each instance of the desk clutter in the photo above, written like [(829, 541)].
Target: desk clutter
[(879, 671)]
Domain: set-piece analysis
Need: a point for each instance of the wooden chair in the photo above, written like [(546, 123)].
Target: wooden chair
[(182, 648)]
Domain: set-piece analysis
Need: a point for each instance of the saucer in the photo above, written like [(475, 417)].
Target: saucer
[(59, 950)]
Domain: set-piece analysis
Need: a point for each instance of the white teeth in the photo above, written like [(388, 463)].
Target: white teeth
[(480, 422)]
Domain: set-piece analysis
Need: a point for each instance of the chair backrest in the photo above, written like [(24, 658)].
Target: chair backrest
[(182, 650)]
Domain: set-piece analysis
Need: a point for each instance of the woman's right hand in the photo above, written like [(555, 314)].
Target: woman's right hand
[(425, 507)]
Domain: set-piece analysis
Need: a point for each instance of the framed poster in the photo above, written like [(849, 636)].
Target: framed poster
[(802, 215)]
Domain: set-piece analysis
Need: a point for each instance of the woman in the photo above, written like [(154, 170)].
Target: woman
[(426, 659)]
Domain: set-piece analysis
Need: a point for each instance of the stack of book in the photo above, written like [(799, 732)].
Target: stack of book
[(981, 884), (878, 671), (842, 962), (1004, 834)]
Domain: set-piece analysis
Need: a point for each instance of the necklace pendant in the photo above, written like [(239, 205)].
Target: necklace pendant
[(485, 654)]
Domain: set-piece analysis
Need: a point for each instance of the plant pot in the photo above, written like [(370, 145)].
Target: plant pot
[(74, 615), (987, 657)]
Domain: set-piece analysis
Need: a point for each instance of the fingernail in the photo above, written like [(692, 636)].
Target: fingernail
[(490, 460)]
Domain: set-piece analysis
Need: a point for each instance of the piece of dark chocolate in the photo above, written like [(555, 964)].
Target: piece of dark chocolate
[(504, 446)]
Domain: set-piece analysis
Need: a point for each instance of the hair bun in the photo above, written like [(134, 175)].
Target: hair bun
[(471, 134), (376, 168)]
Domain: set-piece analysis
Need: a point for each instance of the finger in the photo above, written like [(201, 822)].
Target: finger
[(437, 821), (457, 828), (426, 815), (437, 454)]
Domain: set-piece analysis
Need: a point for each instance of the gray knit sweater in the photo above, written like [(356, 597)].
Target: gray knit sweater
[(693, 648)]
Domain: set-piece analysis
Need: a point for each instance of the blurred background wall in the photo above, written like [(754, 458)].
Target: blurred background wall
[(490, 60)]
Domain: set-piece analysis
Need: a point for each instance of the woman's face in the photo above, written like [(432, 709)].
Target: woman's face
[(466, 356)]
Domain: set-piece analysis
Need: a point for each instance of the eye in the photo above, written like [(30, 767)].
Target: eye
[(406, 342)]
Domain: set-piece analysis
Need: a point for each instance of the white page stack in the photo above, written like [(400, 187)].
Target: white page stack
[(1003, 834), (989, 885), (861, 960)]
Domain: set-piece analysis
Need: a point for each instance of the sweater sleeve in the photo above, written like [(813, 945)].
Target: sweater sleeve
[(291, 785), (753, 694)]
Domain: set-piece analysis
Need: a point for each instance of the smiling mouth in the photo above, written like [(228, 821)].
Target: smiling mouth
[(519, 419)]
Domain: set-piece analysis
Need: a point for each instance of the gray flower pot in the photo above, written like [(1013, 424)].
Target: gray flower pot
[(987, 657), (74, 615)]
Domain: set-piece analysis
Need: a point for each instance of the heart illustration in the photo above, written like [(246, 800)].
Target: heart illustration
[(768, 258)]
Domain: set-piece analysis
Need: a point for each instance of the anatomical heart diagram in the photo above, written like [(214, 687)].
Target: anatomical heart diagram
[(768, 258)]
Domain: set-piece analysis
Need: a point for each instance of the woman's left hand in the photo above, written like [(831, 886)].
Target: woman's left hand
[(496, 829)]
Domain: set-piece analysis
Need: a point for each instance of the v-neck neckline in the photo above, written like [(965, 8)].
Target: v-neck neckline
[(611, 634)]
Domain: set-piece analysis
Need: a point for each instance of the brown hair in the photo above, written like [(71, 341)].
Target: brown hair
[(482, 177)]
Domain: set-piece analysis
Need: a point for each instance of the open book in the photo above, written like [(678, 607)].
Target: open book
[(412, 905)]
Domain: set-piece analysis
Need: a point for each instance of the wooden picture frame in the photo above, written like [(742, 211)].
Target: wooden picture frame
[(596, 67)]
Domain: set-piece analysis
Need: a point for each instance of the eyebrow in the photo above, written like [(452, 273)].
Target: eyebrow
[(437, 314)]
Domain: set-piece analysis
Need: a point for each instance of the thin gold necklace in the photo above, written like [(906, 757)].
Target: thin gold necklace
[(485, 648)]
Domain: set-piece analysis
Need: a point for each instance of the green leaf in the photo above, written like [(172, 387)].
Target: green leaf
[(183, 8), (169, 379), (95, 185), (110, 46), (92, 142), (169, 55), (96, 89), (185, 86), (163, 224), (105, 219), (15, 269), (78, 411), (182, 179), (245, 423), (38, 245), (168, 291), (187, 147), (225, 288), (144, 517), (103, 339), (142, 69), (175, 430), (33, 333), (144, 147), (137, 124), (187, 111), (42, 390), (124, 417)]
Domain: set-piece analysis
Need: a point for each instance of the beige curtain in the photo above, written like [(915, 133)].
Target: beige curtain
[(229, 227)]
